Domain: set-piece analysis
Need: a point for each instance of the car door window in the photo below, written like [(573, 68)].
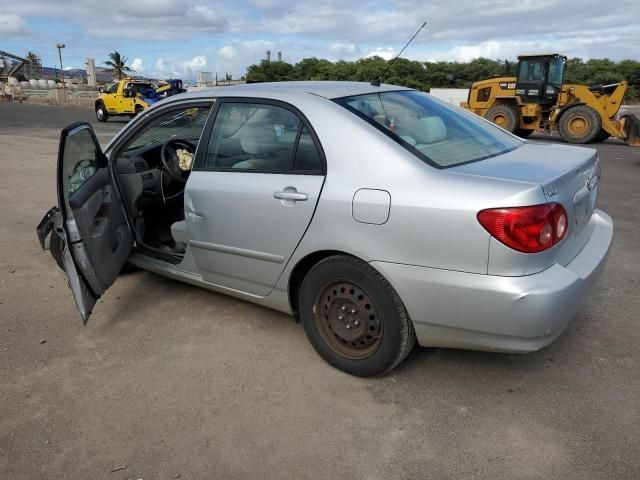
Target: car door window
[(81, 160), (184, 123), (253, 137)]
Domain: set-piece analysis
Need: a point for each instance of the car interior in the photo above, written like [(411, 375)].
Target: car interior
[(153, 167), (152, 170)]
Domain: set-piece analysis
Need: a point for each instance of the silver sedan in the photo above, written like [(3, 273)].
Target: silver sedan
[(378, 216)]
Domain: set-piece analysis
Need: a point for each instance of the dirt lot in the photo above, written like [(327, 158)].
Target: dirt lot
[(170, 380)]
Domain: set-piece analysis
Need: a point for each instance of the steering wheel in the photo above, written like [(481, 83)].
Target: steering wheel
[(170, 159)]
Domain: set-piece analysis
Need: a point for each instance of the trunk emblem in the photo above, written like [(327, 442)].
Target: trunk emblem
[(592, 182)]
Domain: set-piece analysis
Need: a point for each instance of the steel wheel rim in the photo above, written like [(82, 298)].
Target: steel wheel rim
[(100, 114), (348, 320), (500, 120), (578, 125)]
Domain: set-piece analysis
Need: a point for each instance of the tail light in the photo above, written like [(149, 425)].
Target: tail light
[(526, 229)]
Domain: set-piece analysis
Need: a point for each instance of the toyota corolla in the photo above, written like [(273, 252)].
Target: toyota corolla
[(378, 216)]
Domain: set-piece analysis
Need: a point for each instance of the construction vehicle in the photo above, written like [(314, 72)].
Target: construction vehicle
[(538, 99), (30, 67), (129, 97)]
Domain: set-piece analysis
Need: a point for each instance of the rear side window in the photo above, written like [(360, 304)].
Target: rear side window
[(260, 137), (434, 131), (307, 156)]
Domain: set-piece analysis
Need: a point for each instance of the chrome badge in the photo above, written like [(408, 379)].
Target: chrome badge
[(592, 182)]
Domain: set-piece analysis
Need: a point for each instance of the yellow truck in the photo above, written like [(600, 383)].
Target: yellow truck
[(539, 99), (129, 97)]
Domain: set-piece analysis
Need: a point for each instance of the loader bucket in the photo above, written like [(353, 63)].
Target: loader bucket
[(632, 130)]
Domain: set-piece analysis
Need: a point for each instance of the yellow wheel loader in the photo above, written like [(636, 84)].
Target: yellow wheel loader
[(538, 99)]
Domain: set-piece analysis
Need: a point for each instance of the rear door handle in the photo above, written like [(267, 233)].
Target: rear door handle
[(291, 195)]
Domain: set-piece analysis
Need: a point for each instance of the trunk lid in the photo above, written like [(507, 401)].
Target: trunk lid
[(567, 175)]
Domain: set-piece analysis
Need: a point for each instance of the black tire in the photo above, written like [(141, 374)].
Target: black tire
[(377, 316), (601, 136), (138, 109), (56, 247), (506, 116), (579, 124), (101, 113), (524, 133)]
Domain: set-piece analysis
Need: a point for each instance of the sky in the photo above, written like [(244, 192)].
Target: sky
[(168, 38)]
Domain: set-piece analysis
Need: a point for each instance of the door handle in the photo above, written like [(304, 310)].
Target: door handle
[(291, 195)]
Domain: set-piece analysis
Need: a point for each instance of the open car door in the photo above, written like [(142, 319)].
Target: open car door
[(90, 239)]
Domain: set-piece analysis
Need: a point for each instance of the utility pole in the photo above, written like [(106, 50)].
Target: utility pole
[(60, 46)]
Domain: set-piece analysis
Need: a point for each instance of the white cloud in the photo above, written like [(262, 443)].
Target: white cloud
[(206, 18), (386, 53), (332, 29), (12, 25), (150, 8), (235, 57), (344, 51), (176, 68), (137, 65)]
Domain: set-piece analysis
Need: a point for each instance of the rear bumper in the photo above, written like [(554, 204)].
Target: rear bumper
[(506, 314)]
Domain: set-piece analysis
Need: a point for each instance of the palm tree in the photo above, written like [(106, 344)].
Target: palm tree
[(118, 64)]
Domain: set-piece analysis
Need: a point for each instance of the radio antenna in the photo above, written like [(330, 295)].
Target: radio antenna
[(376, 81)]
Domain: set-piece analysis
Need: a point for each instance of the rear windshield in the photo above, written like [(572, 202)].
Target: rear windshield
[(436, 132)]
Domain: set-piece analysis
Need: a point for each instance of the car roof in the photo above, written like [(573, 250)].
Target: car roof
[(325, 89)]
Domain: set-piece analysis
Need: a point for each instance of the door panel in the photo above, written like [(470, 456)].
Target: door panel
[(102, 228), (95, 236), (240, 234)]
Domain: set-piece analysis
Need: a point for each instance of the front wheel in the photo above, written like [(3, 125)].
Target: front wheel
[(580, 124), (354, 318), (101, 113)]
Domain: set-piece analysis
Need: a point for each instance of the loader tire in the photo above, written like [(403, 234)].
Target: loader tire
[(601, 136), (580, 124), (506, 116)]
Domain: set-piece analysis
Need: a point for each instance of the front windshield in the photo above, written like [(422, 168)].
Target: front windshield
[(436, 132), (556, 69)]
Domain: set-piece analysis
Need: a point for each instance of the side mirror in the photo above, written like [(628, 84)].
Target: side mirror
[(126, 92)]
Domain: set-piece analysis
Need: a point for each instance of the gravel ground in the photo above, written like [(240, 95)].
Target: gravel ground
[(170, 380)]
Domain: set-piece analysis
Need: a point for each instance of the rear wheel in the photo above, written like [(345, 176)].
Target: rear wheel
[(506, 116), (580, 124), (101, 113), (601, 136), (354, 318)]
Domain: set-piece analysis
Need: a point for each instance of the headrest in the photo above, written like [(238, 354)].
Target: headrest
[(259, 138), (429, 130)]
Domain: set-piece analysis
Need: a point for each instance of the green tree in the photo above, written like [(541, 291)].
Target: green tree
[(424, 75), (118, 64)]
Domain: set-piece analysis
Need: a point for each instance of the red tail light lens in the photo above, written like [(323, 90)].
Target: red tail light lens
[(526, 229)]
